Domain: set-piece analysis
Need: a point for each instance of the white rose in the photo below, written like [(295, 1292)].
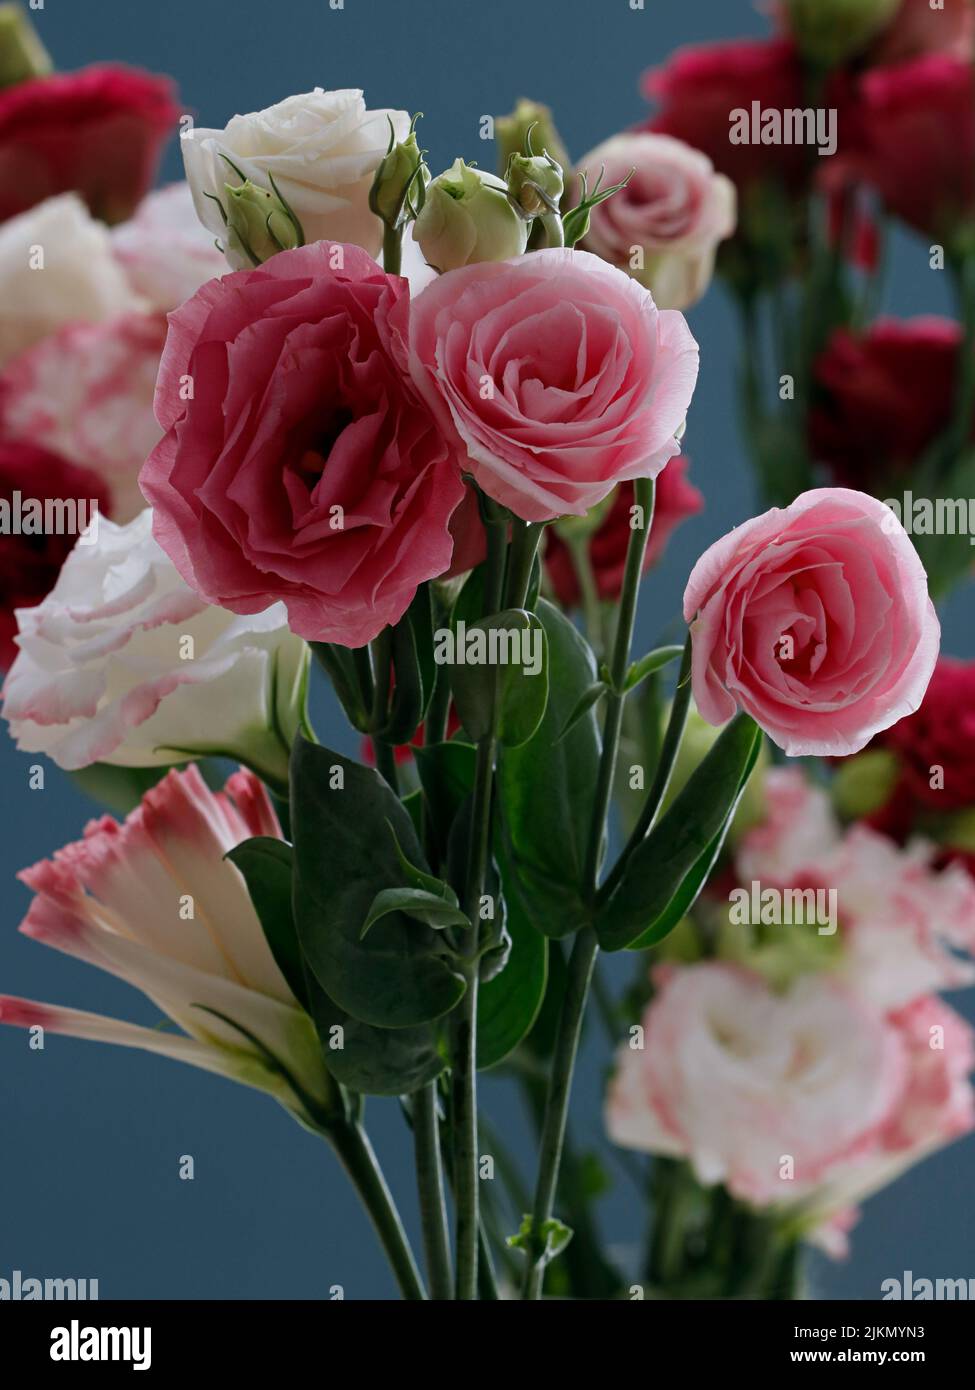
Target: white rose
[(664, 227), (164, 251), (322, 149), (56, 267), (107, 672)]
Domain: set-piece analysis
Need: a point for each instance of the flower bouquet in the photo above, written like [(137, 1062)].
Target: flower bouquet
[(334, 419)]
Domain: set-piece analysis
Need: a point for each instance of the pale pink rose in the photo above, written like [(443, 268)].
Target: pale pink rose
[(86, 393), (737, 1079), (155, 902), (936, 1106), (559, 375), (164, 251), (816, 621), (305, 468), (798, 832), (664, 227)]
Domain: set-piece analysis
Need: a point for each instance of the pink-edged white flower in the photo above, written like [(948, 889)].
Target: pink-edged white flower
[(123, 663), (154, 901), (766, 1093), (57, 267), (665, 226), (902, 922), (86, 392), (164, 251)]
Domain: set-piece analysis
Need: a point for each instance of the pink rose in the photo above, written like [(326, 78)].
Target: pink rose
[(671, 215), (118, 899), (86, 393), (733, 1077), (305, 467), (559, 375), (816, 621)]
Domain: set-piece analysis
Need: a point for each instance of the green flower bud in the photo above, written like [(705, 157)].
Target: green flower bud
[(864, 783), (468, 217), (259, 224), (400, 181), (536, 183), (830, 31), (511, 134), (22, 55)]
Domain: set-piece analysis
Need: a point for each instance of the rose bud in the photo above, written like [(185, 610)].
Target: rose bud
[(467, 217), (259, 225), (22, 54), (511, 133), (400, 181)]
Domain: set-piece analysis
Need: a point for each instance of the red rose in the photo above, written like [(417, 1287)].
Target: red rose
[(98, 132), (29, 564), (305, 466), (882, 398), (676, 500), (940, 734), (914, 142), (699, 88)]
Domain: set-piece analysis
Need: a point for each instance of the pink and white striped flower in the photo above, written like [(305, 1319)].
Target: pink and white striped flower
[(154, 901)]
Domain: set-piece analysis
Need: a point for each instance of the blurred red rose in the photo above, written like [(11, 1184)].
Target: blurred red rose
[(913, 142), (700, 86), (676, 500), (940, 734), (882, 398), (98, 132), (29, 564), (918, 28)]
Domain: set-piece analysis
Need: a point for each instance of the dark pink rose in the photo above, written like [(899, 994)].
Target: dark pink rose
[(305, 467), (557, 374), (914, 142), (98, 132), (816, 621)]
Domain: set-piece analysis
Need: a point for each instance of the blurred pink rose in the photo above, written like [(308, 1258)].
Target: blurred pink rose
[(919, 28), (735, 1078), (816, 621), (559, 375), (155, 902), (305, 467), (164, 251), (86, 393), (671, 215)]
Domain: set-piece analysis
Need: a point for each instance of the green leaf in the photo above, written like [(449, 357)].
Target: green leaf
[(681, 843), (446, 772), (433, 909), (266, 865), (340, 667), (553, 1237), (375, 1061), (647, 665), (344, 855), (587, 701), (414, 669), (508, 1004), (480, 683), (545, 790)]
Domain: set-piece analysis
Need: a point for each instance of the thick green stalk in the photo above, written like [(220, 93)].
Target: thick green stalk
[(352, 1145), (465, 1023), (392, 250), (429, 1177), (586, 945)]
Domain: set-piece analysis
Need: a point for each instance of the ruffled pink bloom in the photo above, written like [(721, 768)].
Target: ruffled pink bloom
[(305, 467), (86, 393), (154, 902), (816, 621), (737, 1079), (557, 374)]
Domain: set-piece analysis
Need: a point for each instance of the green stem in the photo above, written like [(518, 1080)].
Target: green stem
[(352, 1145), (961, 426), (586, 945), (465, 1024), (429, 1176), (521, 559), (662, 776), (392, 250)]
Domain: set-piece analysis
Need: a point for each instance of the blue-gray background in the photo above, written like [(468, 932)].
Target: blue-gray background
[(90, 1136)]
